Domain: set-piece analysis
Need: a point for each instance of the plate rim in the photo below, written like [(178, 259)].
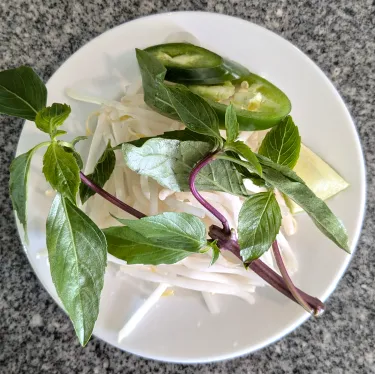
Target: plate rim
[(359, 224)]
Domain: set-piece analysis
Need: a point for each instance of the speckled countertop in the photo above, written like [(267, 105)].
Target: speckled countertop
[(37, 337)]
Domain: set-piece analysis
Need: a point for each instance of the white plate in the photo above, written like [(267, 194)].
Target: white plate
[(181, 329)]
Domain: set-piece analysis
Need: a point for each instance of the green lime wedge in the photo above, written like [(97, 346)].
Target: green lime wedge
[(318, 175)]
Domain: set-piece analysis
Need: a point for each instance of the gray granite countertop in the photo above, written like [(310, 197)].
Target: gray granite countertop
[(37, 337)]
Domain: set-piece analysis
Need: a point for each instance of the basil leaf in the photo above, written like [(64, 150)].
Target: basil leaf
[(19, 173), (102, 172), (77, 253), (195, 112), (259, 222), (151, 67), (220, 175), (134, 248), (215, 252), (71, 149), (61, 170), (76, 155), (175, 101), (50, 118), (242, 149), (181, 230), (59, 133), (316, 208), (155, 93), (170, 163), (244, 171), (182, 135), (282, 144), (284, 170), (78, 139), (231, 124), (22, 93)]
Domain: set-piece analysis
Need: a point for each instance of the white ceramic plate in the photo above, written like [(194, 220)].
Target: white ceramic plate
[(180, 329)]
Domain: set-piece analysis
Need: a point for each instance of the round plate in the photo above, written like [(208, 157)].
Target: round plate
[(180, 328)]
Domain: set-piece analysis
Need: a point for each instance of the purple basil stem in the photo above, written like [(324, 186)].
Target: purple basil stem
[(114, 200), (266, 273), (193, 175), (288, 281)]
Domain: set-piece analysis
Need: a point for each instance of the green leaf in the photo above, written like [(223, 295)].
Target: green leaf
[(170, 163), (102, 172), (215, 252), (149, 65), (231, 124), (182, 135), (243, 150), (316, 208), (61, 170), (244, 171), (195, 112), (19, 173), (76, 155), (259, 222), (284, 170), (77, 253), (70, 148), (282, 144), (50, 118), (59, 133), (22, 93), (175, 101), (131, 246), (244, 167), (78, 139), (155, 92), (181, 230)]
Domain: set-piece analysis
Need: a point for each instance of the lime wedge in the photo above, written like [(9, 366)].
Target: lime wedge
[(318, 175)]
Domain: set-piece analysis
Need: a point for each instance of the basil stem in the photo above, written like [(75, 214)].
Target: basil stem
[(193, 175), (112, 199), (293, 290)]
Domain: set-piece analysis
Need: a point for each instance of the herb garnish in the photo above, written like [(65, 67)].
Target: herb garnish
[(194, 159)]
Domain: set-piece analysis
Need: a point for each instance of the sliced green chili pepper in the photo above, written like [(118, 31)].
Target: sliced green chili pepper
[(189, 64), (214, 92), (259, 104)]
